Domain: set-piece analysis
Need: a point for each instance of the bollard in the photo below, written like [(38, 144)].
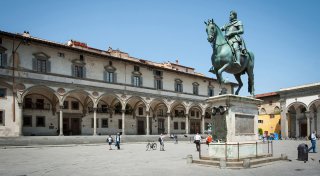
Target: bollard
[(189, 159), (284, 156), (223, 163), (246, 163)]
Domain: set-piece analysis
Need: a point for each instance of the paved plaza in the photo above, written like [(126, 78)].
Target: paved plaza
[(133, 159)]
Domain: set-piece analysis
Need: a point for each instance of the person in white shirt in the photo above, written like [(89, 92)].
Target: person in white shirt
[(197, 140), (313, 142)]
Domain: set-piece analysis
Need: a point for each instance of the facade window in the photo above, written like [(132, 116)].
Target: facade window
[(137, 81), (120, 123), (66, 105), (271, 116), (158, 84), (192, 113), (178, 85), (97, 122), (160, 113), (104, 123), (78, 71), (40, 121), (136, 68), (157, 73), (61, 54), (2, 118), (175, 125), (40, 104), (75, 105), (197, 114), (110, 77), (27, 121), (41, 66), (263, 111), (195, 88), (3, 93), (260, 121), (28, 103), (118, 108), (3, 59), (140, 109), (210, 91), (183, 125), (207, 115)]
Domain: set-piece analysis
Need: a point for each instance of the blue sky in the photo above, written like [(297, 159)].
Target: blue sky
[(283, 35)]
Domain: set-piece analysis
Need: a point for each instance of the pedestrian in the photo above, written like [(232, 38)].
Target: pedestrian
[(197, 140), (313, 142), (208, 139), (110, 140), (161, 142), (118, 141)]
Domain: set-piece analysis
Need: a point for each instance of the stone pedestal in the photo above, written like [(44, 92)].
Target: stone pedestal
[(235, 125)]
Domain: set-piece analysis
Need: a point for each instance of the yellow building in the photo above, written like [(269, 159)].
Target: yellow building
[(269, 113)]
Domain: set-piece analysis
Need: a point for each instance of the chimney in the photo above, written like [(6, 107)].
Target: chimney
[(177, 61)]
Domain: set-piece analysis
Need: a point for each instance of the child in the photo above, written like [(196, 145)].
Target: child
[(110, 140)]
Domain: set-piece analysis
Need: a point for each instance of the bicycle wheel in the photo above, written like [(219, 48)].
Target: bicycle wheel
[(148, 146), (154, 146)]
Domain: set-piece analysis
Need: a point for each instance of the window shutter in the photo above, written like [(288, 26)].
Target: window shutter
[(34, 64), (132, 77), (115, 77), (175, 86), (155, 83), (72, 70), (141, 81), (84, 72), (107, 76), (4, 59), (48, 66), (181, 87)]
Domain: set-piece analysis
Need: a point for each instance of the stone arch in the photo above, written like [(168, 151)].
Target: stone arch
[(155, 104), (32, 88), (314, 102), (81, 91), (294, 104), (197, 106), (177, 104)]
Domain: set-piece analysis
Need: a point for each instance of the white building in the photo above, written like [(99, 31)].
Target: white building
[(49, 88), (300, 110)]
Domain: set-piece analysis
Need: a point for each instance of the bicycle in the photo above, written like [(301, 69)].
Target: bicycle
[(151, 145)]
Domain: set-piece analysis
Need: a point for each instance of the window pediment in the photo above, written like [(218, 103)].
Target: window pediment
[(110, 68), (78, 62), (195, 84), (136, 73), (41, 55), (177, 80), (2, 49)]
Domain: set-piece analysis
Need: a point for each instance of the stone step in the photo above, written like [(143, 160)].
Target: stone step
[(238, 164)]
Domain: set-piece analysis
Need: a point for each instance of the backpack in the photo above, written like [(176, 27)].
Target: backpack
[(159, 139)]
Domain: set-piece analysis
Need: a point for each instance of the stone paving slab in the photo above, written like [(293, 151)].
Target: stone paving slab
[(132, 159)]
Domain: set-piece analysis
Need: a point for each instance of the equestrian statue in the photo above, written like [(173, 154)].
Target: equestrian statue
[(230, 53)]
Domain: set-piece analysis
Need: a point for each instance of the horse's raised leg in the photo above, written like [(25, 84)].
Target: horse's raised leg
[(238, 78), (219, 72)]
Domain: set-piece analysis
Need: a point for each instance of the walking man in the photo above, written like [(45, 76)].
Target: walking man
[(313, 142), (161, 142), (197, 140), (118, 141)]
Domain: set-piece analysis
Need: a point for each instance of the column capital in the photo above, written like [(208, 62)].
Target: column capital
[(95, 109), (61, 107), (168, 113), (20, 105), (123, 111)]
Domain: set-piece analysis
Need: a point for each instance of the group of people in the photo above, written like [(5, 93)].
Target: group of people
[(117, 141)]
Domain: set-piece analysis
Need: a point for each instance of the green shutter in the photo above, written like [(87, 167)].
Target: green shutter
[(48, 66), (115, 77), (34, 64)]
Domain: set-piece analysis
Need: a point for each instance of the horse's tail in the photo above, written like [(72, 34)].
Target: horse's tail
[(250, 69)]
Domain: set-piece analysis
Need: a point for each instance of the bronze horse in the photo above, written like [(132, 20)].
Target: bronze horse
[(223, 58)]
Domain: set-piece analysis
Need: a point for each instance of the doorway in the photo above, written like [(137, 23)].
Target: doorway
[(194, 126), (71, 126), (161, 126), (141, 130)]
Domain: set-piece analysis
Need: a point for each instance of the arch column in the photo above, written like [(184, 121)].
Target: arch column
[(308, 122), (61, 122), (19, 119), (284, 119), (94, 121), (123, 113), (202, 123), (187, 123), (148, 128), (169, 122)]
